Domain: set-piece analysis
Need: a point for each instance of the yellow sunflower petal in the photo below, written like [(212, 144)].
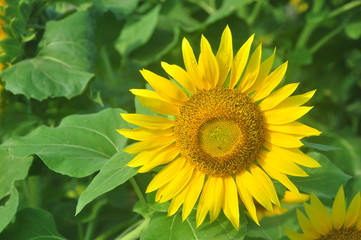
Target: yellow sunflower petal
[(172, 188), (202, 209), (153, 101), (150, 144), (194, 190), (224, 55), (339, 209), (177, 201), (154, 158), (208, 65), (246, 197), (316, 220), (142, 134), (277, 96), (321, 211), (165, 88), (265, 181), (270, 82), (147, 121), (306, 226), (296, 100), (352, 211), (283, 165), (264, 70), (239, 62), (292, 198), (295, 235), (282, 178), (257, 190), (165, 156), (214, 196), (285, 115), (230, 203), (293, 154), (252, 70), (190, 63), (283, 139), (294, 128), (166, 174), (180, 75)]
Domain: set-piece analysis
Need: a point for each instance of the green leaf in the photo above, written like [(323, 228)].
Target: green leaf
[(111, 175), (12, 169), (8, 211), (353, 30), (62, 64), (163, 227), (32, 224), (121, 8), (78, 147), (320, 147), (137, 33), (325, 180), (273, 227)]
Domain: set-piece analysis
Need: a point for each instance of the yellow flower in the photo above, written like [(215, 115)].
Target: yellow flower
[(288, 199), (341, 225), (228, 135)]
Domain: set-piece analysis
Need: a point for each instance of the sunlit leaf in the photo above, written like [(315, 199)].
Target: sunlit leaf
[(163, 227), (12, 169), (61, 68), (137, 32), (32, 224), (78, 147), (325, 180), (8, 211), (111, 175)]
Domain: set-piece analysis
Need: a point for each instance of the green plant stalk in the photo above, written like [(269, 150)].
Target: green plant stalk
[(107, 66), (325, 39), (138, 192), (134, 232), (344, 8), (255, 12), (115, 229)]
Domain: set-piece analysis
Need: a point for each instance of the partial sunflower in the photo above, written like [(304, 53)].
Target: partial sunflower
[(227, 135), (290, 198), (341, 225), (3, 35)]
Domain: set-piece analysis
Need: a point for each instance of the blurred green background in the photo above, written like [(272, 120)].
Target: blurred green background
[(81, 56)]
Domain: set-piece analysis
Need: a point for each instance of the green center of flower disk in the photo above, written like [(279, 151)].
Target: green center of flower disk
[(220, 131), (343, 234)]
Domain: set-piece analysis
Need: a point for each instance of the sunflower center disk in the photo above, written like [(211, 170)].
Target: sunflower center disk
[(343, 234), (219, 137), (220, 131)]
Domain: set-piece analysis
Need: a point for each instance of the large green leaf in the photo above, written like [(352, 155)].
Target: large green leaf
[(136, 33), (32, 224), (12, 169), (78, 147), (112, 174), (273, 227), (163, 227), (8, 211), (324, 181), (62, 64)]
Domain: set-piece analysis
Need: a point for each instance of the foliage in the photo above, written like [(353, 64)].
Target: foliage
[(69, 66)]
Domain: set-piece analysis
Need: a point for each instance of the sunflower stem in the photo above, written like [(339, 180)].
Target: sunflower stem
[(138, 192), (107, 65), (325, 39), (344, 8), (255, 12)]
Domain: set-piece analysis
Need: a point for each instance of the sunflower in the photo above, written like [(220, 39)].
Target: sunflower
[(227, 131), (341, 225), (3, 35), (289, 198)]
